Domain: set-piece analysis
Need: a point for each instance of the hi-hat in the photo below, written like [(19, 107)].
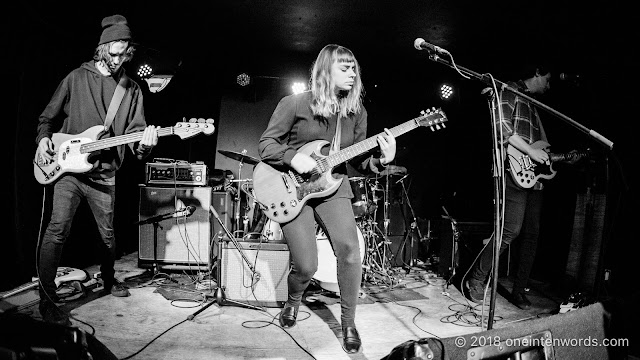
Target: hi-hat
[(240, 157)]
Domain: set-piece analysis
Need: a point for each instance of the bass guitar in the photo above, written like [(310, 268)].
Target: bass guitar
[(283, 192), (72, 151), (526, 172), (63, 275)]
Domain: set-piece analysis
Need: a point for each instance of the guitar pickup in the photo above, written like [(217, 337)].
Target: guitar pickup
[(286, 183)]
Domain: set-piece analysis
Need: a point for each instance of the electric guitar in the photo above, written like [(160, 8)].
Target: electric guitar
[(283, 192), (526, 172), (64, 274), (72, 151)]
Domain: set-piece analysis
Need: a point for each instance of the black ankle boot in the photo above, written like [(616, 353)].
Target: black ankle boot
[(288, 316), (351, 340)]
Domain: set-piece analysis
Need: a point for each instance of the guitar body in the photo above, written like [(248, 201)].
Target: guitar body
[(526, 172), (63, 275), (67, 157), (284, 193)]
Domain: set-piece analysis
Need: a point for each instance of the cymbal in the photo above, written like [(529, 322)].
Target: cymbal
[(240, 157), (393, 170)]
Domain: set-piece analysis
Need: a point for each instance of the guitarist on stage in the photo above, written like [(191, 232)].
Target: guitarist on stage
[(80, 102), (521, 127), (335, 95)]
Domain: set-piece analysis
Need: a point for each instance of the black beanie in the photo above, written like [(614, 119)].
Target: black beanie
[(114, 27)]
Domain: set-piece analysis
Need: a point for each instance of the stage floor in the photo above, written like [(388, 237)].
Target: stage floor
[(154, 322)]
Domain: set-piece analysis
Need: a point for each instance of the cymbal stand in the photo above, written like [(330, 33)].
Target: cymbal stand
[(454, 246), (414, 225), (220, 297), (238, 197)]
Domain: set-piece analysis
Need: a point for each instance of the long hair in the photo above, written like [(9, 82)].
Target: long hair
[(325, 100), (102, 51)]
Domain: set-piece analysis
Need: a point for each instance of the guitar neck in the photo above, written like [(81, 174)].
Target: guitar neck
[(567, 156), (354, 150), (120, 140)]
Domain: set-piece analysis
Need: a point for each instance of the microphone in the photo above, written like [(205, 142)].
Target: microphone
[(185, 211), (173, 214), (569, 77), (421, 44)]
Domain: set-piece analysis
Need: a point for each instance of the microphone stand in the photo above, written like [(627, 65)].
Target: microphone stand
[(497, 155), (504, 86), (155, 220), (220, 296)]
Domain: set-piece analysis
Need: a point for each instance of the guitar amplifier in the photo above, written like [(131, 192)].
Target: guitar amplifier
[(270, 260), (176, 173)]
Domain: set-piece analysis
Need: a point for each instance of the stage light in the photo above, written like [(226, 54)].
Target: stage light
[(298, 87), (144, 71), (158, 82), (446, 91), (243, 79)]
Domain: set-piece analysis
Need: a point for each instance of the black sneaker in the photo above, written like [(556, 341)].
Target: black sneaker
[(520, 300), (52, 314), (475, 291), (115, 288)]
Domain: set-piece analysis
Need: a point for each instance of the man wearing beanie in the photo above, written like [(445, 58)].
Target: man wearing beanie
[(82, 101)]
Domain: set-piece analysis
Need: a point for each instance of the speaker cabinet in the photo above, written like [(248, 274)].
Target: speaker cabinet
[(270, 260), (576, 335), (175, 241)]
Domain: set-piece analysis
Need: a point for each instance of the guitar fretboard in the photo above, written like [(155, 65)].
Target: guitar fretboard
[(354, 150), (120, 140)]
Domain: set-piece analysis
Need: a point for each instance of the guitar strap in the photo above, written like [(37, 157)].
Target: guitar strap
[(335, 143), (116, 100)]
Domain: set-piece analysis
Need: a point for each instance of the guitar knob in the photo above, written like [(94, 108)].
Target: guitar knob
[(286, 212), (293, 203), (282, 204), (275, 214), (273, 206)]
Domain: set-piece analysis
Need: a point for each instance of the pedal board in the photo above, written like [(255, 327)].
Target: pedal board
[(176, 173)]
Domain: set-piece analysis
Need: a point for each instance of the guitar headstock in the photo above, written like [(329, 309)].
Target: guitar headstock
[(432, 118), (189, 129)]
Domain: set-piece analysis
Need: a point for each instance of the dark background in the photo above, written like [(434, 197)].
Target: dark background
[(205, 45)]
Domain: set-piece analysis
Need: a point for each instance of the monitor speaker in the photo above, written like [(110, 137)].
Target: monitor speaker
[(270, 260), (175, 241)]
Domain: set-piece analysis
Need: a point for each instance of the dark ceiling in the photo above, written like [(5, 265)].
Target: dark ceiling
[(482, 35)]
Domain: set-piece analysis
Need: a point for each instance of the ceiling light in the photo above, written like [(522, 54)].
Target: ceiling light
[(446, 91)]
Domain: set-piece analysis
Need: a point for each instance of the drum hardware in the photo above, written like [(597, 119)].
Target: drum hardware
[(414, 227), (242, 158)]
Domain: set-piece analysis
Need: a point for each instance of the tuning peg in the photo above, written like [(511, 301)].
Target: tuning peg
[(192, 120), (210, 121)]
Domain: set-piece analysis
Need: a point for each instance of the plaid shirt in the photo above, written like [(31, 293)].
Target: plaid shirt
[(521, 118)]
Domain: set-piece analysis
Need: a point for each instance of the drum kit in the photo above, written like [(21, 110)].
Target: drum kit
[(370, 203)]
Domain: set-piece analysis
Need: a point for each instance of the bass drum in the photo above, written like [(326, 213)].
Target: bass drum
[(327, 273), (272, 231)]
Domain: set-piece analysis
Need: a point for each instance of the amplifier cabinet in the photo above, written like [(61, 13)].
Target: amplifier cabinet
[(270, 260), (179, 242)]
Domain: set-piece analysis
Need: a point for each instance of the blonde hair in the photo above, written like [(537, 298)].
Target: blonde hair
[(101, 52), (325, 100)]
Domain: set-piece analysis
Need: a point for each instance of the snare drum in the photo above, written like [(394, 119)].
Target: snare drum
[(327, 273)]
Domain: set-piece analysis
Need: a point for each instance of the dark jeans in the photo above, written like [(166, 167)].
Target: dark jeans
[(523, 208), (336, 217), (68, 192)]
